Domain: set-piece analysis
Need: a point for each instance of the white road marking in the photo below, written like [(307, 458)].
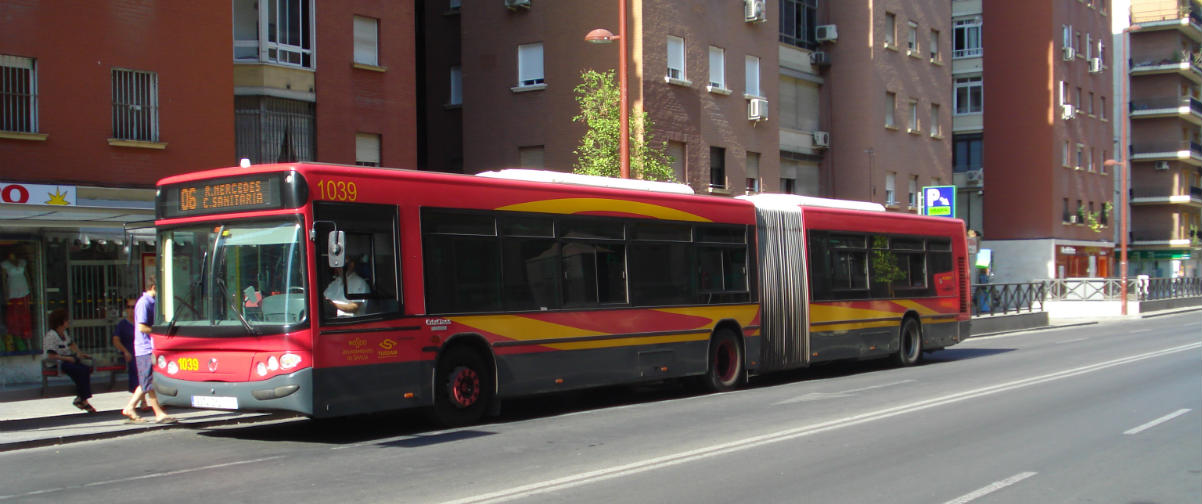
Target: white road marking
[(993, 487), (1141, 331), (142, 477), (1070, 341), (1156, 422), (672, 459), (816, 396)]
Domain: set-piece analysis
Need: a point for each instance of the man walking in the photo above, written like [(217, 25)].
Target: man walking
[(144, 356)]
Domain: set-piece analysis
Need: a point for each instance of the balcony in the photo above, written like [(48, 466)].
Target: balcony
[(1188, 65), (1153, 16), (1188, 152), (1185, 108), (1166, 195)]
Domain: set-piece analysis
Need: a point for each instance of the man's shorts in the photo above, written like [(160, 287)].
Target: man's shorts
[(145, 371)]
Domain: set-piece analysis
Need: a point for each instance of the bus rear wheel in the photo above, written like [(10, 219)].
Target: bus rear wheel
[(909, 350), (725, 362), (463, 387)]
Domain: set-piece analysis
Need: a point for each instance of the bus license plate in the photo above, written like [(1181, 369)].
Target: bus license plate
[(215, 402)]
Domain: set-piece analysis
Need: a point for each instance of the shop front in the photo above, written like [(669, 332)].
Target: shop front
[(1084, 261), (1165, 263), (82, 249)]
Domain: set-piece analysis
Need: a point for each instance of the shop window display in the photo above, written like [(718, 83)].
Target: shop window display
[(17, 274)]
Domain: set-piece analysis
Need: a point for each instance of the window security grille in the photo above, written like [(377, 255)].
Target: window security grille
[(271, 130), (18, 94), (135, 105)]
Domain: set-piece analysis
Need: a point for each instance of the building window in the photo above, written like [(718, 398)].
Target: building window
[(1102, 108), (1077, 97), (454, 4), (890, 106), (717, 68), (912, 191), (788, 185), (1091, 100), (676, 58), (967, 38), (890, 29), (1066, 215), (968, 152), (1089, 159), (287, 35), (1064, 153), (798, 22), (912, 124), (18, 94), (456, 95), (1080, 157), (936, 129), (367, 41), (135, 105), (367, 149), (912, 39), (530, 64), (717, 168), (677, 151), (753, 172), (969, 98), (531, 157), (273, 130), (753, 76), (1102, 166), (890, 191), (934, 48)]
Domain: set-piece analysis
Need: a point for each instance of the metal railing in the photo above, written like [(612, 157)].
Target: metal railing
[(1109, 289), (1003, 298)]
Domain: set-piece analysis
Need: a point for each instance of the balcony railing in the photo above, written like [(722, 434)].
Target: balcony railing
[(1166, 102), (1195, 148)]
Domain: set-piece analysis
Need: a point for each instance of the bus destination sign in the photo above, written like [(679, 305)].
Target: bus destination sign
[(260, 192)]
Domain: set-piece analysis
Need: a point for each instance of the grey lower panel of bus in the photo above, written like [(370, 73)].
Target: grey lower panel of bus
[(353, 390), (535, 373), (173, 392), (882, 341)]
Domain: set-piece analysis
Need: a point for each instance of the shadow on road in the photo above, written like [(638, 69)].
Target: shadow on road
[(422, 432)]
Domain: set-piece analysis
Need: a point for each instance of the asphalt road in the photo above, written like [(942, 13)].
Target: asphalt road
[(1099, 413)]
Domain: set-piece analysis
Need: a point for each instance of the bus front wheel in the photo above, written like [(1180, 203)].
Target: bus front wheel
[(909, 350), (725, 362), (463, 387)]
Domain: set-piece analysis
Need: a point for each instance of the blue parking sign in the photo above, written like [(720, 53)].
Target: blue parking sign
[(939, 201)]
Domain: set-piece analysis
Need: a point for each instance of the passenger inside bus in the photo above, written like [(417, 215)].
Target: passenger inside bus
[(336, 293)]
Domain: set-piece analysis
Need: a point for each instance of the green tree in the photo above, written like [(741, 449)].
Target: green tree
[(885, 267), (599, 100)]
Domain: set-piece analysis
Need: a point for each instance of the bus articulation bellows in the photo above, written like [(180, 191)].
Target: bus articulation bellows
[(333, 290)]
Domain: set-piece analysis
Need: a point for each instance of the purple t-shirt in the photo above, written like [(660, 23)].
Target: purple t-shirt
[(143, 314)]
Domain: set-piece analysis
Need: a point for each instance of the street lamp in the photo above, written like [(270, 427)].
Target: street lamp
[(603, 36), (1124, 165)]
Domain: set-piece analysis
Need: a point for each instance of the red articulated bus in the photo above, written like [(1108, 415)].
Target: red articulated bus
[(334, 290)]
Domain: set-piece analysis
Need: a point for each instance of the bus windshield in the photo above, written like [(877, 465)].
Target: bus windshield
[(231, 279)]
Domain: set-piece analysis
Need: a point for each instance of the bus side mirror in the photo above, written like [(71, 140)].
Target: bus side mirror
[(337, 248)]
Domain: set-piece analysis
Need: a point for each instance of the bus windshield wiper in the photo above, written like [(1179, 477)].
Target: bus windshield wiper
[(199, 281), (233, 307)]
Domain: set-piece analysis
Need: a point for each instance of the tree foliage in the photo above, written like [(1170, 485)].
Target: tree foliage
[(600, 103)]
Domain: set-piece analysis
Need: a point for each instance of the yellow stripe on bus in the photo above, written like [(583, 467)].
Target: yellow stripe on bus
[(578, 205)]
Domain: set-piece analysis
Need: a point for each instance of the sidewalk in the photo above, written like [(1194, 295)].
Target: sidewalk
[(28, 420)]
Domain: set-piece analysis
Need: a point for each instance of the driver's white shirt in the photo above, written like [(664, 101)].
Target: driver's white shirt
[(355, 284)]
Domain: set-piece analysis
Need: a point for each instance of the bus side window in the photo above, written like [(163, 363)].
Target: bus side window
[(371, 244)]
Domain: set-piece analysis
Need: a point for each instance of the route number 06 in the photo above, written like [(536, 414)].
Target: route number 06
[(337, 190)]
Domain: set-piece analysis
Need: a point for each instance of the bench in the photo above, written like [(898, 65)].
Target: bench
[(50, 369)]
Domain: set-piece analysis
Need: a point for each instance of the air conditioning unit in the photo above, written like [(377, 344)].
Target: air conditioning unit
[(822, 139), (974, 178), (1095, 65), (826, 33), (517, 4), (1069, 53), (757, 109), (754, 11), (1067, 111), (820, 59), (1162, 165)]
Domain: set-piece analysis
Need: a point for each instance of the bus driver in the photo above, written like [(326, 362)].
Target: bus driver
[(354, 283)]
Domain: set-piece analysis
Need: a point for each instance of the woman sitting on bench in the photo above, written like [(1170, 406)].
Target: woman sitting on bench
[(59, 346)]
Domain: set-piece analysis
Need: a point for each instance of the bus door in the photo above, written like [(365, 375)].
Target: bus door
[(366, 353)]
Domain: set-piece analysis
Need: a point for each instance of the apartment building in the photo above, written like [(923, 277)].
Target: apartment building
[(1165, 79), (99, 101), (885, 99), (1048, 198), (695, 68)]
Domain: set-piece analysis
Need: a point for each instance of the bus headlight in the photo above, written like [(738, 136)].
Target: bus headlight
[(162, 362), (172, 368), (273, 363), (289, 361), (261, 369)]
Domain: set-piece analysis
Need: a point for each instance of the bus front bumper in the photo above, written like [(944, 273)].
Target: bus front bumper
[(290, 392)]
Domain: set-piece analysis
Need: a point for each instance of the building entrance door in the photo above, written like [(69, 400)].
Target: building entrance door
[(94, 295)]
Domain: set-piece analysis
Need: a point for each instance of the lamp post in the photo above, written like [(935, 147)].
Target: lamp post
[(603, 36), (1123, 163)]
